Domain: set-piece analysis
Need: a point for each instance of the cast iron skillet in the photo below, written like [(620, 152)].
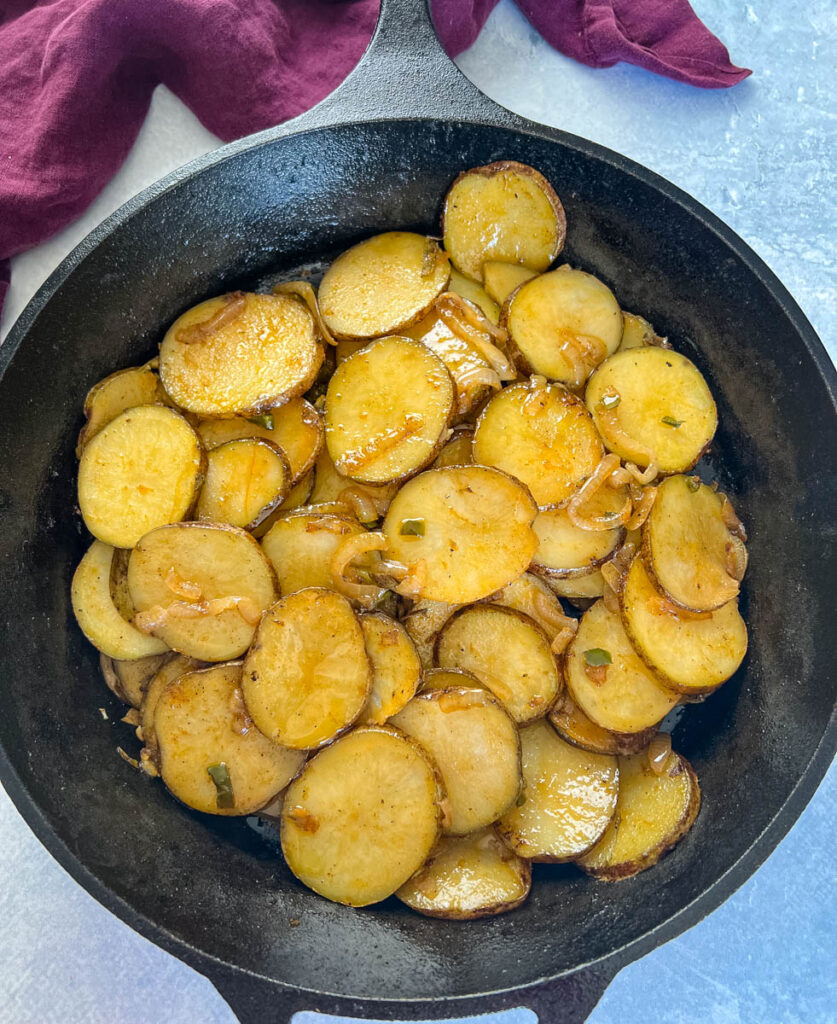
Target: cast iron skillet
[(376, 155)]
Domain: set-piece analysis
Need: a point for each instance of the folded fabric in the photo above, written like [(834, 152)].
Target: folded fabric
[(76, 76)]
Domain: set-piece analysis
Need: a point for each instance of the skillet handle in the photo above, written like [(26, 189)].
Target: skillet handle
[(405, 72)]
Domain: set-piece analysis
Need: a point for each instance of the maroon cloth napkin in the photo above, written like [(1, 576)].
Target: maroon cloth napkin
[(76, 76)]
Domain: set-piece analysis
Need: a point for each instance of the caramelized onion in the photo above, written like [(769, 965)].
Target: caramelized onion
[(643, 477), (156, 618), (350, 548), (476, 377), (413, 583), (361, 504), (597, 479), (659, 752), (233, 307), (642, 508), (183, 588), (609, 417), (470, 326), (731, 520), (305, 291), (555, 619), (735, 559)]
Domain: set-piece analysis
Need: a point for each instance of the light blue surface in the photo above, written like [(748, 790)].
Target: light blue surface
[(760, 156)]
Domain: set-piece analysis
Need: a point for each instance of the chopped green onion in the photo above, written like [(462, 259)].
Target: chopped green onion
[(223, 785), (521, 800), (265, 420), (611, 401), (412, 528), (597, 656), (694, 484), (670, 421), (381, 599)]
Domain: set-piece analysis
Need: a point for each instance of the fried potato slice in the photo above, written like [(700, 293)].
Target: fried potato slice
[(296, 427), (568, 798), (653, 813), (331, 485), (563, 324), (636, 332), (298, 496), (578, 588), (608, 680), (570, 722), (458, 451), (475, 293), (462, 532), (363, 816), (505, 211), (653, 405), (508, 652), (128, 680), (125, 389), (201, 587), (307, 676), (542, 435), (245, 481), (689, 550), (396, 668), (468, 877), (171, 669), (382, 285), (387, 410), (501, 279), (143, 470), (474, 744), (532, 596), (449, 678), (211, 757), (423, 623), (240, 354), (565, 550), (691, 655), (97, 615)]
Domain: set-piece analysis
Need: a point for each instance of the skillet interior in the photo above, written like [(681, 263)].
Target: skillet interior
[(213, 884)]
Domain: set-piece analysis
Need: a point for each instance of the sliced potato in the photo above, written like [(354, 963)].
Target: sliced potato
[(98, 616), (508, 652), (608, 680), (475, 293), (125, 389), (298, 496), (130, 679), (475, 745), (171, 669), (579, 588), (458, 451), (542, 435), (143, 470), (307, 677), (387, 410), (568, 798), (563, 324), (505, 211), (469, 533), (691, 655), (533, 597), (362, 817), (449, 678), (565, 550), (201, 588), (423, 623), (246, 480), (240, 354), (570, 722), (501, 279), (652, 405), (468, 877), (119, 591), (637, 332), (211, 757), (330, 485), (382, 285), (653, 813), (689, 550), (396, 668), (296, 427)]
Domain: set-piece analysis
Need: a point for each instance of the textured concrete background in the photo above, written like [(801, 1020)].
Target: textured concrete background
[(760, 156)]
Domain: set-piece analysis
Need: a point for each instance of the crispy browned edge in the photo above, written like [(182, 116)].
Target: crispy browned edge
[(410, 321), (624, 743), (444, 435), (514, 613), (499, 167), (91, 394), (546, 572), (311, 417), (112, 680), (280, 496), (441, 795), (616, 872)]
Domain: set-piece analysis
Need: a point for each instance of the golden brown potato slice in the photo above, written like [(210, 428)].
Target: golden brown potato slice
[(362, 817), (458, 451), (637, 332), (296, 427), (690, 654), (396, 668), (330, 485), (475, 745), (567, 801), (201, 588), (211, 757), (119, 584), (143, 470), (462, 532), (565, 550), (423, 623), (97, 615), (532, 596), (449, 678), (475, 293), (240, 354), (382, 285), (579, 588), (304, 290), (570, 722), (469, 877), (543, 436), (171, 669), (652, 405), (130, 679), (508, 652), (653, 813), (387, 410), (245, 481), (307, 676), (505, 211), (563, 324), (608, 680), (125, 389), (501, 279), (689, 549)]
